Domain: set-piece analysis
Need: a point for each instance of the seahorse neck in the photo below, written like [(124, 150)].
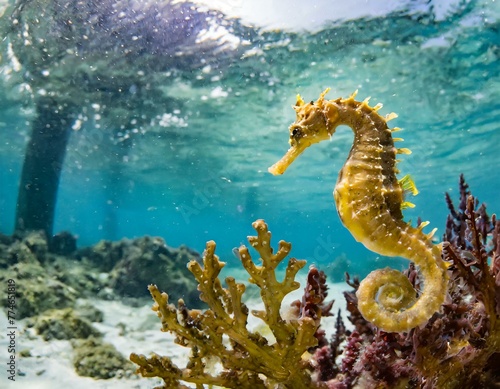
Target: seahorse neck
[(368, 126)]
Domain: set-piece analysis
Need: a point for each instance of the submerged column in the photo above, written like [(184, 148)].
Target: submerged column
[(42, 166)]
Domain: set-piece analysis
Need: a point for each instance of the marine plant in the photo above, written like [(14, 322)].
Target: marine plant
[(458, 347), (369, 199), (220, 336)]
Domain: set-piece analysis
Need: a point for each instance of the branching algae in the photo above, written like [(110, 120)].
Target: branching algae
[(220, 334), (369, 200)]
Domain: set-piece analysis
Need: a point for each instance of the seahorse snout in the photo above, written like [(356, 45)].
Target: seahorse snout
[(290, 156)]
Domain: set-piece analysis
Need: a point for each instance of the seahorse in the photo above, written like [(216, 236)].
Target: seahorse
[(369, 200)]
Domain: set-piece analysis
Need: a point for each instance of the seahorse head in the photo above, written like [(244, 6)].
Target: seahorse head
[(312, 125)]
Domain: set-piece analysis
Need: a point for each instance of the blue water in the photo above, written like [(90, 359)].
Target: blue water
[(192, 166)]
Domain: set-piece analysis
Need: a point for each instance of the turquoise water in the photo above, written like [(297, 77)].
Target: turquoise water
[(190, 165)]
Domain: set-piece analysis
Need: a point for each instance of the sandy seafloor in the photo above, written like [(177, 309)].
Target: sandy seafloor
[(129, 329)]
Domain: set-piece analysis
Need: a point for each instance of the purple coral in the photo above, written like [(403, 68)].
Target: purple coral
[(313, 304)]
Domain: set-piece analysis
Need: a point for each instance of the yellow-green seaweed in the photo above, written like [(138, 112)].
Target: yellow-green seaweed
[(220, 334)]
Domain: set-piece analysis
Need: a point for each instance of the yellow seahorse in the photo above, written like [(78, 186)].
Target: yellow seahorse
[(369, 200)]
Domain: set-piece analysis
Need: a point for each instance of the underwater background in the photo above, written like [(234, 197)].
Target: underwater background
[(179, 148)]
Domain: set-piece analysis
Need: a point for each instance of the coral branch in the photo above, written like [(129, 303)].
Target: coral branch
[(247, 360)]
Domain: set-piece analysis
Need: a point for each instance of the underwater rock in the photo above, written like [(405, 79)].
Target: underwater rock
[(149, 259), (25, 258), (97, 359), (86, 279), (36, 291), (63, 324), (16, 252), (23, 247), (134, 263), (63, 243), (338, 267), (104, 255), (5, 240), (45, 280), (89, 312)]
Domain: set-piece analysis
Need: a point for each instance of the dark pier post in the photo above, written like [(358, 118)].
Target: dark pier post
[(42, 166)]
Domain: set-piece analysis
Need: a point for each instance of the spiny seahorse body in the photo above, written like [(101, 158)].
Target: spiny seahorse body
[(369, 199)]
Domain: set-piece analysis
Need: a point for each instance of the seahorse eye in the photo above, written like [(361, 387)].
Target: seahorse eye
[(295, 132)]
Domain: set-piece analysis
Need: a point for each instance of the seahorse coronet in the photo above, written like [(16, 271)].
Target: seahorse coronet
[(369, 200)]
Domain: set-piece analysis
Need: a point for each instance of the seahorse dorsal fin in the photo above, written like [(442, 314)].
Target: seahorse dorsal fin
[(408, 185), (431, 234), (407, 204), (352, 96), (391, 116), (422, 225), (323, 94), (300, 101), (403, 150)]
